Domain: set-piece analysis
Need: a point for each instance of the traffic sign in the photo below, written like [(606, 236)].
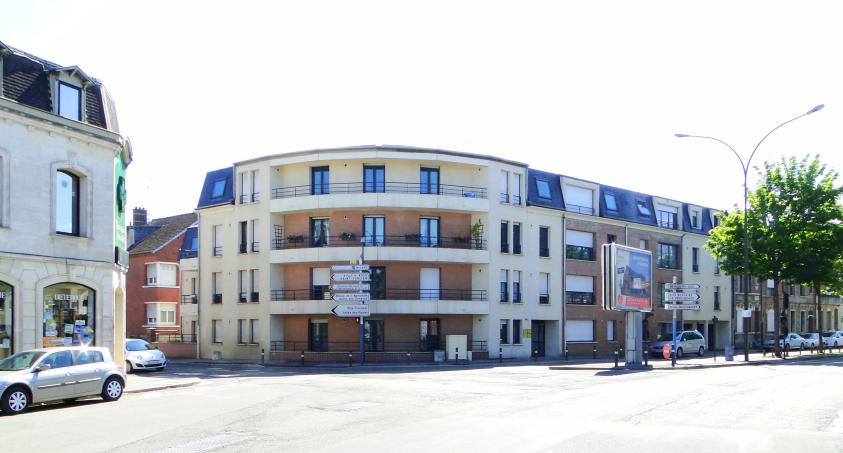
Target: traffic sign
[(351, 277), (682, 307), (351, 311), (681, 286), (350, 287), (681, 297), (350, 267), (351, 297)]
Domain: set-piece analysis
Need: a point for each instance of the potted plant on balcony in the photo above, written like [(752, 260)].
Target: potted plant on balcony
[(348, 236), (295, 238), (477, 233), (412, 237)]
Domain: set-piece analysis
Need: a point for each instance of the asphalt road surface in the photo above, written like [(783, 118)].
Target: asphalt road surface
[(796, 407)]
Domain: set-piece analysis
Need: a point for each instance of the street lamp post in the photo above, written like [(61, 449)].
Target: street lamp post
[(746, 274)]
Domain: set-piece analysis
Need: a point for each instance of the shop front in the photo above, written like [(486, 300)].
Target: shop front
[(69, 315), (6, 319)]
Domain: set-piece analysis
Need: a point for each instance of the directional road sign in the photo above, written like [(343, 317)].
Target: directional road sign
[(681, 297), (349, 267), (681, 306), (351, 311), (681, 286), (351, 297), (350, 287), (351, 277)]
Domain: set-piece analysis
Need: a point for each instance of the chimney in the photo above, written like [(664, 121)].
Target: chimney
[(138, 216)]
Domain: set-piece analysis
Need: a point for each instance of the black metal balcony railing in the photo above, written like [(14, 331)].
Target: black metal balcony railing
[(388, 294), (579, 209), (504, 198), (695, 268), (218, 250), (353, 240), (544, 299), (243, 247), (370, 345), (188, 254), (516, 248), (516, 297), (174, 337), (256, 247), (217, 298), (388, 187), (516, 199), (242, 298), (189, 298), (544, 252), (578, 252), (254, 296), (504, 247), (579, 298), (256, 197)]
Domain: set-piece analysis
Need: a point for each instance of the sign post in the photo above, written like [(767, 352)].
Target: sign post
[(351, 285), (680, 296), (627, 286)]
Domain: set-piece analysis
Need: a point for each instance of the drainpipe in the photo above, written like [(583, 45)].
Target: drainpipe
[(564, 288)]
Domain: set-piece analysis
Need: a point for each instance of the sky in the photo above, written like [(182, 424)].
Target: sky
[(593, 90)]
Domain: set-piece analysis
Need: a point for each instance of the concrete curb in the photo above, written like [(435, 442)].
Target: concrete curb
[(163, 387), (700, 366)]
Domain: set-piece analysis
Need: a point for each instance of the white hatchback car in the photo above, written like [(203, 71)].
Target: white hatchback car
[(142, 355), (811, 339), (689, 341), (833, 339), (789, 341)]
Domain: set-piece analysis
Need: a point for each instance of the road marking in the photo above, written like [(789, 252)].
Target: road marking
[(349, 407), (836, 425), (209, 443)]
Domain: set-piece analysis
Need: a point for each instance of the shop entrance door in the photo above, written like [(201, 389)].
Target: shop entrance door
[(538, 338)]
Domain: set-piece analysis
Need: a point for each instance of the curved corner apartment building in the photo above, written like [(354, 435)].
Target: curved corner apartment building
[(439, 229)]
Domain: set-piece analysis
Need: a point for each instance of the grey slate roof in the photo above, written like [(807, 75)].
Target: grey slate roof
[(168, 229)]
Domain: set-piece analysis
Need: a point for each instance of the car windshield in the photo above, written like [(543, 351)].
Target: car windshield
[(138, 345), (828, 334), (20, 361), (666, 337), (806, 335)]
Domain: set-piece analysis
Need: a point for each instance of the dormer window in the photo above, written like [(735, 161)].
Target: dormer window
[(695, 220), (642, 208), (611, 202), (667, 218), (543, 188), (70, 101), (219, 188)]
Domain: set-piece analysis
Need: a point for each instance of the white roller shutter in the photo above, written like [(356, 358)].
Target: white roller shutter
[(771, 319), (580, 238), (321, 276), (579, 196), (579, 330), (579, 283), (429, 278)]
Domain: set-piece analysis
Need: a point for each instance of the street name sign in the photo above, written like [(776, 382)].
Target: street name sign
[(350, 287), (351, 311), (349, 267), (682, 306), (351, 277), (677, 286), (681, 297), (351, 297)]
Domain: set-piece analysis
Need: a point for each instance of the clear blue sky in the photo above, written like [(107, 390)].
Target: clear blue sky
[(594, 91)]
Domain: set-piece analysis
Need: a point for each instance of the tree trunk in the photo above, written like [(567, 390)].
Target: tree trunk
[(776, 318), (817, 322)]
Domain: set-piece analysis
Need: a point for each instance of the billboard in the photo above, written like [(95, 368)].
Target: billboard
[(627, 278)]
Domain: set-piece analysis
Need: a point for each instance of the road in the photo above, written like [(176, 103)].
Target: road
[(767, 408)]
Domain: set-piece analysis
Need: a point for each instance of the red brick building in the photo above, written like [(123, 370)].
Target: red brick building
[(152, 284)]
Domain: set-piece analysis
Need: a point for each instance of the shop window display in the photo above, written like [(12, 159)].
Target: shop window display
[(5, 320), (69, 314)]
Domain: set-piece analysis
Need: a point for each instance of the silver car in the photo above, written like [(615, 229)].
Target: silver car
[(688, 341), (142, 355), (58, 374)]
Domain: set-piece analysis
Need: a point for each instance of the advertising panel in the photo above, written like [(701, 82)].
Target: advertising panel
[(630, 278)]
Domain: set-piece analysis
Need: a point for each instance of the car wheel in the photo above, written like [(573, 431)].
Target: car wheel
[(701, 351), (112, 390), (679, 353), (15, 400), (802, 346), (129, 368)]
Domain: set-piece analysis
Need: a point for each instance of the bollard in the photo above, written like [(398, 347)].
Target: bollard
[(672, 358), (456, 356), (800, 352), (714, 353), (349, 360), (646, 357), (408, 358), (500, 355), (302, 358), (262, 357), (535, 355), (594, 351), (616, 357), (566, 353)]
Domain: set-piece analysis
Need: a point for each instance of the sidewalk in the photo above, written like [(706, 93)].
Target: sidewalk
[(149, 383), (696, 363)]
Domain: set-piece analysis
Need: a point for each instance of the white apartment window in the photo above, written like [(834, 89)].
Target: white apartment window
[(544, 288), (242, 287), (254, 296), (256, 193), (151, 314), (160, 314), (516, 188), (579, 199), (244, 187), (256, 235), (161, 274), (516, 331), (504, 331), (579, 245), (253, 331), (516, 287), (243, 331), (217, 240), (67, 203), (579, 289), (70, 101), (216, 278), (216, 331), (610, 331), (504, 186), (667, 217), (579, 331), (543, 189), (504, 282), (695, 219), (611, 202), (643, 209), (642, 244)]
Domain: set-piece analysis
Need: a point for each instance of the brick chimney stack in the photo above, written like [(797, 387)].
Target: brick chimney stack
[(139, 217)]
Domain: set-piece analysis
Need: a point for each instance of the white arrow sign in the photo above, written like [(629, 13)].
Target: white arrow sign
[(350, 287), (681, 306), (351, 297), (681, 297), (351, 277), (349, 267), (351, 311), (681, 286)]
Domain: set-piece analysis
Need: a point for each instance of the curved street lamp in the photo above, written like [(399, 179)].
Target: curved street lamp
[(745, 168)]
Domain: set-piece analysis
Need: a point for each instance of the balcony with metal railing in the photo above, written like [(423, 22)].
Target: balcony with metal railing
[(318, 300), (381, 194)]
